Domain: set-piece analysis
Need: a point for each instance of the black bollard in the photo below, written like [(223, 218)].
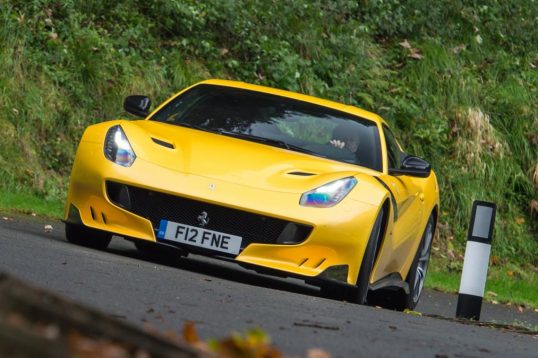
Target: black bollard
[(476, 261)]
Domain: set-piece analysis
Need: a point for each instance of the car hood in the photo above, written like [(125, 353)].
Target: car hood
[(234, 160)]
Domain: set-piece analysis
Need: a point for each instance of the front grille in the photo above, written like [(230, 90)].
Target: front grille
[(253, 228)]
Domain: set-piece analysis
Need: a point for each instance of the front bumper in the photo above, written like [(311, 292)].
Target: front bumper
[(336, 236)]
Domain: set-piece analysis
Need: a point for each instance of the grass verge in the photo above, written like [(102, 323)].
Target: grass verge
[(21, 202), (505, 284)]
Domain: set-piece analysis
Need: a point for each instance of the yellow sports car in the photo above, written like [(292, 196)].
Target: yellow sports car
[(276, 181)]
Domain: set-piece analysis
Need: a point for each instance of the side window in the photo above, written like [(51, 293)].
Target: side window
[(393, 150)]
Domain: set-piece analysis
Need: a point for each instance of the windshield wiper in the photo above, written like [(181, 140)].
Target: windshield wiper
[(255, 138), (269, 141), (190, 125)]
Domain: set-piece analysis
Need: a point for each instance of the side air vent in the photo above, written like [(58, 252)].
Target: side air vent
[(301, 174), (163, 143)]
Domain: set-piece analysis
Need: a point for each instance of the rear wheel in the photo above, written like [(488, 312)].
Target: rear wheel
[(153, 249), (146, 247), (82, 235)]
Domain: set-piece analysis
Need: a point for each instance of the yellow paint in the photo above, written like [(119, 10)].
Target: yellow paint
[(254, 177)]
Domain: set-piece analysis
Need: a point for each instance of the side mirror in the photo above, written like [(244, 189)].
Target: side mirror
[(413, 166), (137, 105)]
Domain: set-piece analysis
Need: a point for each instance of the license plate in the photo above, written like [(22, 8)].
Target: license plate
[(197, 236)]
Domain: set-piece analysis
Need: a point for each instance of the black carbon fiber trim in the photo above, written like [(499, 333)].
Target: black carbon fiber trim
[(392, 199)]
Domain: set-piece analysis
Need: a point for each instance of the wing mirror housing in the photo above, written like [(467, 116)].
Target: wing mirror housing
[(137, 105), (413, 166)]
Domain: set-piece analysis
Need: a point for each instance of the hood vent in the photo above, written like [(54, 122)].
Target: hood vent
[(163, 143), (301, 174)]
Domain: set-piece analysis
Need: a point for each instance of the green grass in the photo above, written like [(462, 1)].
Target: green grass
[(27, 203), (503, 285)]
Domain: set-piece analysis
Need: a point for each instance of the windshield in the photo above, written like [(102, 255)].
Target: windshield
[(275, 120)]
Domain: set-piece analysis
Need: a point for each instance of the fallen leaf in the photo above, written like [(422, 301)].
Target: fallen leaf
[(416, 55), (491, 293), (405, 44), (317, 353), (33, 214), (411, 312), (494, 260), (510, 273), (413, 52), (53, 36), (48, 228), (189, 332), (459, 48), (520, 309), (520, 220)]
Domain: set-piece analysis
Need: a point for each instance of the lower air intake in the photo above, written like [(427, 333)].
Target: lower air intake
[(253, 228)]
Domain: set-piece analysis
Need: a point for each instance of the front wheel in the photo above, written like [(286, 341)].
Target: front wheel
[(417, 273), (360, 293), (82, 235), (397, 299)]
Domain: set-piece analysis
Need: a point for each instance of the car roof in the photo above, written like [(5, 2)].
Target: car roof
[(302, 97)]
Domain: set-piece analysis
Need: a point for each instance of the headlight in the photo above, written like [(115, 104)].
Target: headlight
[(117, 147), (329, 194)]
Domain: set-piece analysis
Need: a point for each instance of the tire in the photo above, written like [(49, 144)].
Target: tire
[(333, 291), (145, 247), (360, 293), (397, 299), (85, 236), (155, 250), (419, 268)]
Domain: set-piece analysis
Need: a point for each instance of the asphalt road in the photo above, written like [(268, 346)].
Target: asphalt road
[(221, 297)]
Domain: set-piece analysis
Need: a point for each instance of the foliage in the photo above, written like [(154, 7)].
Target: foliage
[(457, 79)]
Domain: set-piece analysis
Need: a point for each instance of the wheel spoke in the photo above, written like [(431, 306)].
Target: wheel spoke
[(423, 260), (419, 283)]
